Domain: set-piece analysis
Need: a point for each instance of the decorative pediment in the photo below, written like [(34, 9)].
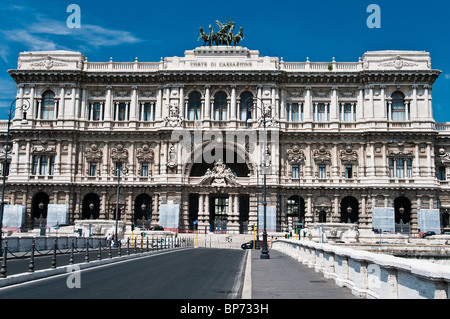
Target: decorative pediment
[(93, 154), (442, 157), (97, 93), (294, 93), (220, 175), (321, 93), (295, 155), (398, 63), (49, 63), (400, 148), (322, 155), (148, 93), (145, 154), (119, 154), (44, 150), (349, 156)]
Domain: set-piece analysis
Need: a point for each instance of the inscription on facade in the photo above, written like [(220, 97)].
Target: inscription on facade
[(225, 64)]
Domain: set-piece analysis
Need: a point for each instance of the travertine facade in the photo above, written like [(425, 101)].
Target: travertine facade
[(346, 137)]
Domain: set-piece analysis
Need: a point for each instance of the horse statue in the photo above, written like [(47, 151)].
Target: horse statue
[(238, 37), (204, 36), (212, 36)]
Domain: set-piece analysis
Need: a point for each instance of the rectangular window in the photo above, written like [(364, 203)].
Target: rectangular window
[(119, 169), (348, 171), (295, 171), (441, 173), (96, 111), (347, 109), (144, 169), (43, 165), (51, 170), (391, 168), (220, 206), (147, 112), (322, 171), (322, 112), (409, 168), (34, 169), (121, 114), (295, 112), (47, 110), (92, 169), (6, 169), (400, 169)]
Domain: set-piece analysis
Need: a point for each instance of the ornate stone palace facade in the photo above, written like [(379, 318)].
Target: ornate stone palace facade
[(187, 136)]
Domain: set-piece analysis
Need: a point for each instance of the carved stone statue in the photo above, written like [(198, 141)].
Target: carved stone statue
[(219, 175)]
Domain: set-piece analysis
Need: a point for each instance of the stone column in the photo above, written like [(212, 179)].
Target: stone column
[(201, 220), (308, 105), (233, 102), (108, 106), (283, 106), (207, 107), (62, 104)]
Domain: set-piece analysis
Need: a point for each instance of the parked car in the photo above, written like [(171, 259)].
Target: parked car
[(249, 245), (428, 233), (156, 228)]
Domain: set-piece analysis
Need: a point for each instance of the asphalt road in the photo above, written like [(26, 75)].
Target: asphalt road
[(192, 273)]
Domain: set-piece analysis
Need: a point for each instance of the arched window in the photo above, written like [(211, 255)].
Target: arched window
[(220, 106), (48, 106), (246, 105), (398, 108), (194, 106)]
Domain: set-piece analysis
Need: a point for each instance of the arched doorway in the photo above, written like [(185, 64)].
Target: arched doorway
[(402, 210), (90, 206), (349, 210), (112, 207), (294, 212), (39, 208), (193, 210), (446, 220), (143, 211)]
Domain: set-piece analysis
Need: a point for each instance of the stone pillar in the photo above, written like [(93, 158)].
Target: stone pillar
[(207, 111), (309, 215), (233, 103), (103, 212)]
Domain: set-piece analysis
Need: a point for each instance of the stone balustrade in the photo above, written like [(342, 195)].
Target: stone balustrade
[(371, 275)]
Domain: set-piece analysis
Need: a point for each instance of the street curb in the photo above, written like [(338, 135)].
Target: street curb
[(40, 274), (247, 287)]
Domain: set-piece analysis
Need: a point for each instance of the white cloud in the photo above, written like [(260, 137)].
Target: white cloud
[(31, 41), (447, 76)]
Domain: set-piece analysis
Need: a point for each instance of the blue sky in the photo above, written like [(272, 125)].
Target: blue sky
[(293, 30)]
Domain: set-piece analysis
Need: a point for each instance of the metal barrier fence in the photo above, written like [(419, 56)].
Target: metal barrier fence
[(63, 246)]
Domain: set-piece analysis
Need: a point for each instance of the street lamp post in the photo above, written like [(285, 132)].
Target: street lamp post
[(265, 250), (24, 108), (118, 170)]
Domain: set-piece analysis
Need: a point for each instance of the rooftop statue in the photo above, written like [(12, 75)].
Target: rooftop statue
[(222, 37)]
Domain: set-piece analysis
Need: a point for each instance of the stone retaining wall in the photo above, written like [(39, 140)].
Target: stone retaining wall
[(371, 275)]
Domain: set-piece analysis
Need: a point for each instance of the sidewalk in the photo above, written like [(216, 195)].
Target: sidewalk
[(281, 277)]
